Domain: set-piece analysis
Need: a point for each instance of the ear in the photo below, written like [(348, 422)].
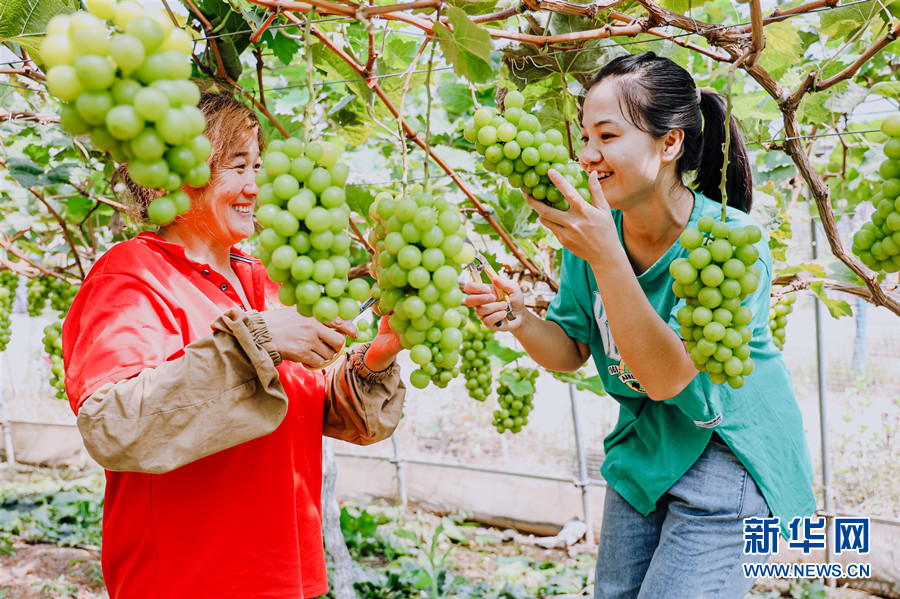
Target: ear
[(671, 145)]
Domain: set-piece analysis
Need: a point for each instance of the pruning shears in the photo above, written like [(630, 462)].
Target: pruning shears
[(481, 264)]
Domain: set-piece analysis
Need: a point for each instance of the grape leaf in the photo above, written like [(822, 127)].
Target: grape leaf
[(359, 198), (886, 89), (24, 22), (455, 97), (815, 269), (837, 308), (59, 174), (593, 384), (474, 7), (783, 48), (25, 172), (468, 47), (521, 388), (839, 271), (283, 47), (843, 22), (501, 354), (79, 205)]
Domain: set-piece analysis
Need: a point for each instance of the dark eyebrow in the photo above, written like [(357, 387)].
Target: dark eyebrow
[(604, 122)]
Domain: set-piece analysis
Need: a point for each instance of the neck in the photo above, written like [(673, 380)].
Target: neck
[(198, 247), (660, 219)]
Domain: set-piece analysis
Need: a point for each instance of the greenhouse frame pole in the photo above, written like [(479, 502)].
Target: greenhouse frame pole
[(583, 482), (4, 421), (823, 408), (401, 474)]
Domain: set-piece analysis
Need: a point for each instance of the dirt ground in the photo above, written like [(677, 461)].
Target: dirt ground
[(51, 572), (48, 572)]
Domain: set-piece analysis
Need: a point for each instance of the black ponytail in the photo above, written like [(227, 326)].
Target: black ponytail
[(739, 183), (658, 96)]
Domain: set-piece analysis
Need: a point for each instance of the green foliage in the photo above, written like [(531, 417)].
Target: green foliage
[(52, 511), (467, 47), (797, 589), (23, 22), (360, 528)]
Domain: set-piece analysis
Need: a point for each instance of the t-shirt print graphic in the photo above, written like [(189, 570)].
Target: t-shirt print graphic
[(617, 367)]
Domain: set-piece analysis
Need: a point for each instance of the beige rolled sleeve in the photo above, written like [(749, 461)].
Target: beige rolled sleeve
[(362, 406), (222, 392)]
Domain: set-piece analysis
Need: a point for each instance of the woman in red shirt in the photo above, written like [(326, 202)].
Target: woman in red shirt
[(188, 379)]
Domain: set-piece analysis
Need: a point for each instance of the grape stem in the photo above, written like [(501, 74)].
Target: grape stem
[(428, 115), (311, 101), (65, 229), (403, 93)]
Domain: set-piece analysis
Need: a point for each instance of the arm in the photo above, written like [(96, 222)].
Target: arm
[(222, 392), (364, 394), (545, 341), (362, 406), (653, 352)]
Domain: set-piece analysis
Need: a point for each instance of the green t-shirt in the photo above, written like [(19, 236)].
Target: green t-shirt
[(655, 442)]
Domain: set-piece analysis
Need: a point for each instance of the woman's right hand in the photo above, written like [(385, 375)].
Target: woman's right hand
[(490, 309), (306, 340)]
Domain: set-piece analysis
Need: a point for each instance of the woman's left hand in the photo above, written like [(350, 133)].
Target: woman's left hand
[(384, 347), (586, 230)]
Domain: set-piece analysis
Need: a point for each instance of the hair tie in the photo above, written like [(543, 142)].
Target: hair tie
[(699, 93)]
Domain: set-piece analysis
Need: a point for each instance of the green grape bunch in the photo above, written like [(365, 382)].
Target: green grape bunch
[(367, 330), (877, 243), (39, 290), (778, 318), (475, 365), (514, 146), (53, 347), (515, 395), (305, 247), (718, 275), (61, 294), (9, 282), (123, 74), (420, 249), (440, 371)]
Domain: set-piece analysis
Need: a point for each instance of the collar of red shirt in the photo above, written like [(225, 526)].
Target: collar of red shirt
[(176, 249)]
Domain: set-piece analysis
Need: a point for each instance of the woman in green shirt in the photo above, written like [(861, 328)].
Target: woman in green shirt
[(688, 460)]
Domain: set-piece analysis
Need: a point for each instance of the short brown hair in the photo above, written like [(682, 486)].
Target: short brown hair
[(228, 120)]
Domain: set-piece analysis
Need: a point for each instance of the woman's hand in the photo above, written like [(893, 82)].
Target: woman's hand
[(490, 309), (384, 347), (587, 231), (306, 340)]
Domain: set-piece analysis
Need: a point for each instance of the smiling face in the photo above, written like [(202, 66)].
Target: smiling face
[(222, 211), (631, 164)]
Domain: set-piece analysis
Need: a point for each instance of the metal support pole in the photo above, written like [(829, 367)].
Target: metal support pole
[(4, 421), (401, 472), (823, 410), (582, 469)]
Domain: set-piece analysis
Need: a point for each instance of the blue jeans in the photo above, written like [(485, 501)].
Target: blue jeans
[(691, 545)]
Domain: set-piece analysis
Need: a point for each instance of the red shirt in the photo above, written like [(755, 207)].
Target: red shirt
[(245, 522)]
